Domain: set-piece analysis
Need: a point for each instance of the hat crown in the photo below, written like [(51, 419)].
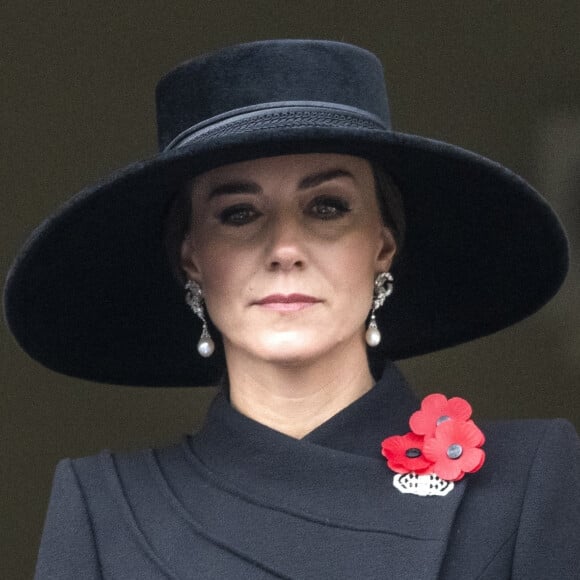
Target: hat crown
[(274, 71)]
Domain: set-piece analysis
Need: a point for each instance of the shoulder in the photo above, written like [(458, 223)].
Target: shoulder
[(521, 451), (106, 481), (109, 488), (521, 510), (103, 508), (528, 462), (522, 443), (541, 460), (108, 465), (531, 430)]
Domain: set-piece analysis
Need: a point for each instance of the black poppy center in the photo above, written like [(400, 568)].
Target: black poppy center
[(413, 452), (454, 451), (442, 419)]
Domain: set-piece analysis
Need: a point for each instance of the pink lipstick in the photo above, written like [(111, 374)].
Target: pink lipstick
[(287, 302)]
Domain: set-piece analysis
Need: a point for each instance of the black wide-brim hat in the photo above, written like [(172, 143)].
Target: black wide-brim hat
[(92, 294)]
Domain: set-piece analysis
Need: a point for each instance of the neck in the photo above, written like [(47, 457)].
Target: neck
[(296, 399)]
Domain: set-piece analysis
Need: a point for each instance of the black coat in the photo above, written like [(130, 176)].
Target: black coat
[(239, 500)]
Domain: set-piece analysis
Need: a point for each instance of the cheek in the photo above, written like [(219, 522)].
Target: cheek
[(224, 273), (352, 269)]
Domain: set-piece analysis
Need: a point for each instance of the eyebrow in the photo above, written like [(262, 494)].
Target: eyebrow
[(318, 178), (234, 187), (307, 182)]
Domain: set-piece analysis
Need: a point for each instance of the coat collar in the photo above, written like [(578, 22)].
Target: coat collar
[(336, 474), (239, 498)]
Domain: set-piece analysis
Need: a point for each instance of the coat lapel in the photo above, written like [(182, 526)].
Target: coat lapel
[(335, 480), (324, 506)]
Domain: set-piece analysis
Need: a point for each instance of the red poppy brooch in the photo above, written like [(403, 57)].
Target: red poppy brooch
[(444, 444)]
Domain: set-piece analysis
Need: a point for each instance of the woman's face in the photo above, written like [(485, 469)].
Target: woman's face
[(286, 250)]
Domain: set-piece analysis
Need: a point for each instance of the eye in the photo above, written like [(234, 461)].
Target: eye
[(329, 207), (238, 215)]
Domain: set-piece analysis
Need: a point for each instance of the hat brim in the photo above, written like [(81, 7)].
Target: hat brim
[(91, 294)]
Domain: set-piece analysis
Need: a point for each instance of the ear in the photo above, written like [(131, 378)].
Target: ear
[(386, 250), (188, 260)]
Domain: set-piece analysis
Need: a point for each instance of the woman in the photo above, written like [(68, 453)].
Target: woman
[(314, 245)]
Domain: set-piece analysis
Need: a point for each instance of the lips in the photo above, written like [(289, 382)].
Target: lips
[(287, 299), (287, 302)]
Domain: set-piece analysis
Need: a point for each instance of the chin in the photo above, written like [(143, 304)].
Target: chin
[(290, 354), (293, 348)]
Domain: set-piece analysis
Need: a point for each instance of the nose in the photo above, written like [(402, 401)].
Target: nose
[(285, 247)]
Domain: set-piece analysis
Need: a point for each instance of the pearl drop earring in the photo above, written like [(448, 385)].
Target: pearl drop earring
[(194, 298), (380, 294)]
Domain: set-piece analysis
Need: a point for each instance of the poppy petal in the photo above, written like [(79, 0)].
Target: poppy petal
[(424, 421), (448, 470), (459, 409), (472, 460), (471, 434)]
